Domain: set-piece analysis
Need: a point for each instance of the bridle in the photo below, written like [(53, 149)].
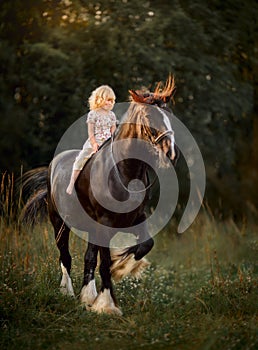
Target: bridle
[(165, 133)]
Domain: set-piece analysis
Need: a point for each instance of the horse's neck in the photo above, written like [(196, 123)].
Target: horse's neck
[(129, 156), (132, 168), (128, 145)]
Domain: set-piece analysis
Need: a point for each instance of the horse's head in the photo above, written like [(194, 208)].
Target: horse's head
[(157, 126)]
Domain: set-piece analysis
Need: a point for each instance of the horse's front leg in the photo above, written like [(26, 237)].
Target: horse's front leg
[(89, 292), (131, 260), (146, 241), (106, 302)]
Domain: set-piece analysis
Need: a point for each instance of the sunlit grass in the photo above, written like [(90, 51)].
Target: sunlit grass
[(200, 292)]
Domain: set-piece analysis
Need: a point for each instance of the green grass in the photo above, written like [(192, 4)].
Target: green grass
[(200, 292)]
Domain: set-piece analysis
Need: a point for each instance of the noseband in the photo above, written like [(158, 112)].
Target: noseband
[(161, 136)]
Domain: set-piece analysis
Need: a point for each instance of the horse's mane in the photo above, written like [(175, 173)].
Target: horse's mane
[(134, 122)]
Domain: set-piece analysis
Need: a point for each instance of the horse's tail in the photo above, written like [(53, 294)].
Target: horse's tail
[(34, 188)]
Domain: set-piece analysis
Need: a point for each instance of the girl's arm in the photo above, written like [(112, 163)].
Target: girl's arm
[(112, 129), (92, 139)]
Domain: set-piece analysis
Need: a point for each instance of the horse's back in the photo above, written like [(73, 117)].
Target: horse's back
[(67, 206), (61, 165)]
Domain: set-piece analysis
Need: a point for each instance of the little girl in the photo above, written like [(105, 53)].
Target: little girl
[(101, 125)]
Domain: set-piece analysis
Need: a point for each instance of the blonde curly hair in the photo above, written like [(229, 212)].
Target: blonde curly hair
[(100, 95)]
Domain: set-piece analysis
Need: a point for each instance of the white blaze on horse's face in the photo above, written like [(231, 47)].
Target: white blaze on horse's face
[(171, 135)]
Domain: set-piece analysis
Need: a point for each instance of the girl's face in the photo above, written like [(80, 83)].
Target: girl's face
[(108, 104)]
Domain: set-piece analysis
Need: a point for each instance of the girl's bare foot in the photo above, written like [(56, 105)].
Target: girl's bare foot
[(69, 189)]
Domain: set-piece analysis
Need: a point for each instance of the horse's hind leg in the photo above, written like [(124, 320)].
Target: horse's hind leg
[(105, 302), (62, 240)]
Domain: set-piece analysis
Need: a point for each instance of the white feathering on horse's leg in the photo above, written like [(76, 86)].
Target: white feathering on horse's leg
[(66, 286), (89, 294), (124, 265), (104, 303)]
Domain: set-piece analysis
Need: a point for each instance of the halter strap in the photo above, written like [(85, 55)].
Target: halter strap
[(161, 136)]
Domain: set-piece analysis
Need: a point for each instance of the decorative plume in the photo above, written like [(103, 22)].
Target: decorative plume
[(167, 92)]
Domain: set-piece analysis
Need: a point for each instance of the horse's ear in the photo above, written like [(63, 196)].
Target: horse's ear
[(136, 97)]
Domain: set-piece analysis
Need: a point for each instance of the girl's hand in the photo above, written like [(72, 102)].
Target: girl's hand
[(95, 147)]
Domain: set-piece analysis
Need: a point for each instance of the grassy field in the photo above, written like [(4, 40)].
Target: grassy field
[(200, 292)]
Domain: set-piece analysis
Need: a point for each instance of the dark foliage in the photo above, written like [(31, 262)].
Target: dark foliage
[(53, 53)]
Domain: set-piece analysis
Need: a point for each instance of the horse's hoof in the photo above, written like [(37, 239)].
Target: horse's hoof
[(66, 286), (89, 294), (104, 303), (114, 310), (68, 292)]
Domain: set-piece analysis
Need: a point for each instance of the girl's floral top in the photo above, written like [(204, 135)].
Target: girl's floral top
[(102, 124)]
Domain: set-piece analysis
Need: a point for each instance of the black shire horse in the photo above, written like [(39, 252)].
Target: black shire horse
[(113, 168)]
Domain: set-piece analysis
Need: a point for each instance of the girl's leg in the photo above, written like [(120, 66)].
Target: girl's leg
[(79, 162), (74, 176)]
